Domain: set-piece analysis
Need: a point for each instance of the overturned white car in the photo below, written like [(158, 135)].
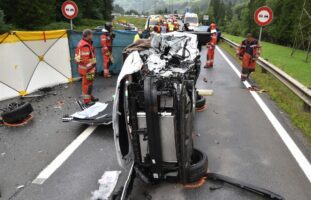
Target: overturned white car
[(154, 110), (153, 115)]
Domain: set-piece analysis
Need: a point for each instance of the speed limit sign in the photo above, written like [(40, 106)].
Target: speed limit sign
[(263, 16), (70, 9)]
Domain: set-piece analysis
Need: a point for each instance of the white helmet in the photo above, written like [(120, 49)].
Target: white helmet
[(213, 31), (104, 30)]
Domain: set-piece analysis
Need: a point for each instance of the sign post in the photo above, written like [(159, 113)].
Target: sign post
[(263, 17), (70, 11)]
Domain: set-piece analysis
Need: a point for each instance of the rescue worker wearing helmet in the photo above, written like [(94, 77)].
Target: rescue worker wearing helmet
[(211, 46), (248, 52), (171, 25), (157, 27), (164, 27), (214, 26), (138, 36), (106, 42), (176, 25), (86, 60)]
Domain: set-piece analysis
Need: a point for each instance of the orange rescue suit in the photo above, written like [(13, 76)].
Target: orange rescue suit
[(86, 60), (106, 42), (211, 51), (248, 52)]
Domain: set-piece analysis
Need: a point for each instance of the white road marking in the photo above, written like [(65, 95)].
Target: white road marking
[(61, 158), (292, 147)]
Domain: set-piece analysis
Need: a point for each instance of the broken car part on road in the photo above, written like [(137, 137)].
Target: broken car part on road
[(153, 115), (17, 114), (97, 114)]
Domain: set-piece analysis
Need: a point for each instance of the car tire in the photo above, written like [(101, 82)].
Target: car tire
[(198, 167), (200, 101), (17, 114)]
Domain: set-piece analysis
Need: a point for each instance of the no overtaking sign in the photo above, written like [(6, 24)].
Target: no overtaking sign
[(70, 9), (263, 16)]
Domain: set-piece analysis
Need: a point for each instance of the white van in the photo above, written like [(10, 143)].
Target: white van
[(192, 19)]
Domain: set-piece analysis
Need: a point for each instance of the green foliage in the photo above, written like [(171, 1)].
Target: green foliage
[(56, 26), (83, 24), (279, 55), (38, 14), (239, 19), (3, 27), (118, 9), (28, 14), (132, 11), (137, 21)]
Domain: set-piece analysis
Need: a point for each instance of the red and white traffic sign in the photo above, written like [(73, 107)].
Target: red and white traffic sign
[(263, 16), (70, 9)]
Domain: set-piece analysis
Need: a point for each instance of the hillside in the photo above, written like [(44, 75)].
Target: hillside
[(152, 5)]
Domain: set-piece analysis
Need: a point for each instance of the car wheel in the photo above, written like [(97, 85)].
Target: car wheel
[(200, 101), (199, 165), (17, 112)]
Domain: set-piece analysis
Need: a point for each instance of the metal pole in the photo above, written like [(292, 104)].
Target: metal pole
[(71, 25), (260, 34)]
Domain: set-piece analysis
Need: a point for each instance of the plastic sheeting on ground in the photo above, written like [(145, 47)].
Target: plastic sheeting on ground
[(33, 60)]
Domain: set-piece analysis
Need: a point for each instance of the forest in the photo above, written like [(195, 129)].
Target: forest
[(232, 16), (38, 14), (236, 18)]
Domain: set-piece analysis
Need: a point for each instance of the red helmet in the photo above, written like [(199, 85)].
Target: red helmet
[(213, 26)]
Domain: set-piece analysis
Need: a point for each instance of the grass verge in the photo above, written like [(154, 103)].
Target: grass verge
[(284, 97), (139, 22), (92, 23), (83, 24), (280, 56)]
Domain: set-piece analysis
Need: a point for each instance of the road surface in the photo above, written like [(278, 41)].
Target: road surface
[(235, 133)]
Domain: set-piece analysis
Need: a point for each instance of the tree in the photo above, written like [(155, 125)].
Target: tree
[(130, 12), (3, 26), (28, 14), (118, 9)]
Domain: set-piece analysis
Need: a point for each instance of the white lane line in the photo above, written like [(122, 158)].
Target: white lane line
[(291, 145), (61, 158)]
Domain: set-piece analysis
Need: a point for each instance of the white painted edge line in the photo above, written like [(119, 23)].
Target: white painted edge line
[(127, 182), (289, 142), (62, 157)]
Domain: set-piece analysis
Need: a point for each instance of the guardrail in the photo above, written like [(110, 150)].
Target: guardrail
[(300, 90)]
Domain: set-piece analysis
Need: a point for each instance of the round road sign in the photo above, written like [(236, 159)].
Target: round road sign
[(263, 16), (70, 9)]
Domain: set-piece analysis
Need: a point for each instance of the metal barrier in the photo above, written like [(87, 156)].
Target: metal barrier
[(300, 90)]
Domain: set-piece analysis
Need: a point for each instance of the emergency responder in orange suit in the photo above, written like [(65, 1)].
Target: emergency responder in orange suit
[(212, 27), (86, 60), (157, 28), (106, 42), (211, 45), (248, 52), (176, 25)]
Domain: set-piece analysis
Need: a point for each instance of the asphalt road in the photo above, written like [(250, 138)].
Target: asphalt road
[(234, 132)]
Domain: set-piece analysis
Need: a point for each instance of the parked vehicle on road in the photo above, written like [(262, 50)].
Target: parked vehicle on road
[(191, 19)]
